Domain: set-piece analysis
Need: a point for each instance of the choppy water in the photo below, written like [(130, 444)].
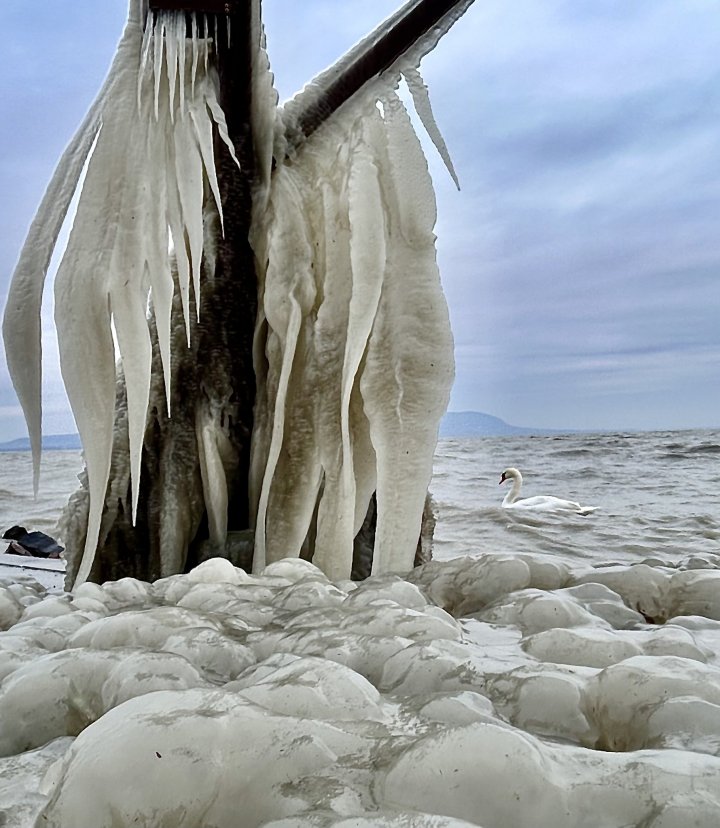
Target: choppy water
[(657, 493), (60, 470)]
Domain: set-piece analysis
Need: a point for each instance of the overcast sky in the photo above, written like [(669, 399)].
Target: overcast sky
[(581, 260)]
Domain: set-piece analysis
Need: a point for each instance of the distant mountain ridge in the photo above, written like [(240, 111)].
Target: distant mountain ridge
[(50, 442), (453, 424), (478, 424)]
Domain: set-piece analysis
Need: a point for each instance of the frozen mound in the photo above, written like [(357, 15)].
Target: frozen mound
[(491, 691)]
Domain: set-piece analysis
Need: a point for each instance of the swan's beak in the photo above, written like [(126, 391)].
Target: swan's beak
[(502, 480)]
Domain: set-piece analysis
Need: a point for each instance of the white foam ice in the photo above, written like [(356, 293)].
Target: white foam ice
[(489, 691)]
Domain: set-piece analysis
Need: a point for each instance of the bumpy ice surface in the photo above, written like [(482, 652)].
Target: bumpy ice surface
[(492, 691)]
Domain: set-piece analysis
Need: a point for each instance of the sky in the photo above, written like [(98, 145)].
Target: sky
[(581, 258)]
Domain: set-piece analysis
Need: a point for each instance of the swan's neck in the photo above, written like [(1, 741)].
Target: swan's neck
[(514, 493)]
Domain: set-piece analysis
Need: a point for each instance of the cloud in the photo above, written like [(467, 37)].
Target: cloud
[(580, 259)]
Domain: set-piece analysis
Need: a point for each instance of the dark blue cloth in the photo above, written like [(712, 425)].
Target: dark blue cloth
[(36, 543)]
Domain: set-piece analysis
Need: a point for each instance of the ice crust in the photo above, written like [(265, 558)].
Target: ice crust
[(489, 691)]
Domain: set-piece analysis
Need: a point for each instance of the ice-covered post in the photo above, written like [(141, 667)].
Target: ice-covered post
[(298, 357), (213, 382)]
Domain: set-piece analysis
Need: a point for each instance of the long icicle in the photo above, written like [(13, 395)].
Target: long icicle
[(22, 319)]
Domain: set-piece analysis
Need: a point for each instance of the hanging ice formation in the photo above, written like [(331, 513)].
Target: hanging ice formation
[(357, 359), (148, 146), (353, 350)]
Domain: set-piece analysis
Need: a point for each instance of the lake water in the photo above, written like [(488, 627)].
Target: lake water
[(544, 671), (657, 494), (60, 470)]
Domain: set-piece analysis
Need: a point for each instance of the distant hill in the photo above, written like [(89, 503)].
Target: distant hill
[(453, 424), (51, 442), (477, 424)]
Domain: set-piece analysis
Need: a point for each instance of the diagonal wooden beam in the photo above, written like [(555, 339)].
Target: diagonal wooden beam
[(368, 59)]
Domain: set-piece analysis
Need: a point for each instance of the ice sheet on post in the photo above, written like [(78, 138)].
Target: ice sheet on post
[(365, 349), (409, 365), (290, 475)]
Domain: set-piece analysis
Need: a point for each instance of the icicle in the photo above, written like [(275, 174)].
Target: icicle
[(195, 52), (206, 51), (367, 260), (129, 314), (159, 39), (145, 55), (204, 135), (172, 50), (82, 287), (157, 261), (92, 397), (261, 558), (182, 51), (350, 471), (212, 446), (409, 363), (289, 294), (21, 323), (181, 256), (189, 174), (220, 122), (135, 244), (421, 99), (162, 294)]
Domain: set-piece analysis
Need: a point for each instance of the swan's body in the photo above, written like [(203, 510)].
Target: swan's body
[(547, 503)]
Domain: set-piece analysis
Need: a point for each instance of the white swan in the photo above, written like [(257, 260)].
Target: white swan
[(541, 502)]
